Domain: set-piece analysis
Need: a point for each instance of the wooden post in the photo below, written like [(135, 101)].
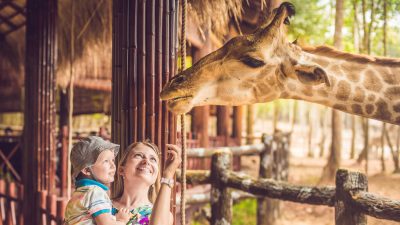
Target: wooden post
[(51, 209), (221, 199), (346, 182), (249, 124), (223, 122), (40, 103), (61, 204), (237, 123), (267, 209)]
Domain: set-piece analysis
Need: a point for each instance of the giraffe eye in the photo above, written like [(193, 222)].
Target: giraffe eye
[(252, 62)]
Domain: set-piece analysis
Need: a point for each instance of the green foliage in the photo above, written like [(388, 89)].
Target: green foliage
[(244, 212), (312, 23)]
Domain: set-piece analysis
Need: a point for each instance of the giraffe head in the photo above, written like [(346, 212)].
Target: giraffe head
[(247, 69)]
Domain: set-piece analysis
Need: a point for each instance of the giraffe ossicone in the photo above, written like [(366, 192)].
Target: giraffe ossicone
[(264, 66)]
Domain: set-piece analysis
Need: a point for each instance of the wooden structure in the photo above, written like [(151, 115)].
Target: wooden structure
[(351, 200), (40, 105)]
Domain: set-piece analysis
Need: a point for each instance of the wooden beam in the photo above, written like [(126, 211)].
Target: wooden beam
[(40, 106)]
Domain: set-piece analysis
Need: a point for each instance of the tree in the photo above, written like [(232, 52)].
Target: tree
[(335, 154)]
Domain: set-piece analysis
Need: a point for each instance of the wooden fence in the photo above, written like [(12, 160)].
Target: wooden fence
[(350, 198), (51, 208)]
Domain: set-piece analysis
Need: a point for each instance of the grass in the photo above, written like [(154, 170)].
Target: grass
[(244, 213)]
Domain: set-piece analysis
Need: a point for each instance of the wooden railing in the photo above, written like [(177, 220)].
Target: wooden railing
[(51, 208), (350, 198)]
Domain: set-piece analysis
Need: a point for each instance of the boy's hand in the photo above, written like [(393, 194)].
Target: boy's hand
[(123, 215)]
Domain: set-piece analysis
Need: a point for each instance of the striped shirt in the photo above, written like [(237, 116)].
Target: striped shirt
[(89, 200)]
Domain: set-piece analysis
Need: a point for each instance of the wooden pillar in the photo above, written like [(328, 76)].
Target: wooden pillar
[(221, 198), (250, 124), (237, 126), (201, 114), (223, 122), (346, 182), (63, 138), (39, 120)]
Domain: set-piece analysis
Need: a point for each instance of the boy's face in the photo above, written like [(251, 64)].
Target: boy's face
[(104, 168)]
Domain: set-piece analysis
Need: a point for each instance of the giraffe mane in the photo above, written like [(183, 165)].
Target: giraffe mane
[(358, 58)]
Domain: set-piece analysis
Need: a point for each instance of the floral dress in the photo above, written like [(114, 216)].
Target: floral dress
[(140, 215)]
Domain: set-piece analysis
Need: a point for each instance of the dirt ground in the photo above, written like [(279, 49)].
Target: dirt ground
[(307, 171)]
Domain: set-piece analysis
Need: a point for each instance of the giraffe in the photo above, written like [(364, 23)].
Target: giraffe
[(264, 66)]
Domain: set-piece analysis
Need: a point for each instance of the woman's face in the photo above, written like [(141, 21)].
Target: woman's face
[(142, 163)]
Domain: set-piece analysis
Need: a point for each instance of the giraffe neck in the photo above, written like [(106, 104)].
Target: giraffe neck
[(360, 85)]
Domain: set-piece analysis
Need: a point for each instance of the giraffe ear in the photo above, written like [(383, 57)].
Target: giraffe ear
[(311, 75)]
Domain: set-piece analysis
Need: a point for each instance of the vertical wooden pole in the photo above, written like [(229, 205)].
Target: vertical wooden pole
[(158, 71), (223, 122), (221, 198), (266, 207), (150, 70), (39, 119), (347, 181), (237, 126), (63, 131), (250, 124)]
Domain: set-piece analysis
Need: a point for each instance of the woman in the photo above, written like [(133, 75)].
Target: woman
[(138, 185)]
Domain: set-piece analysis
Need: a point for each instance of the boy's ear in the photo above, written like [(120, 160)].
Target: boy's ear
[(86, 171)]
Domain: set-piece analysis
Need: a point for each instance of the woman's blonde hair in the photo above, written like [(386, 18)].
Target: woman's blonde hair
[(118, 189)]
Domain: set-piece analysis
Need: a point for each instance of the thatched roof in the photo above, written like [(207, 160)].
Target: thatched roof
[(92, 32)]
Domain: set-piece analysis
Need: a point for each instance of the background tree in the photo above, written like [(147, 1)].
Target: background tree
[(335, 154)]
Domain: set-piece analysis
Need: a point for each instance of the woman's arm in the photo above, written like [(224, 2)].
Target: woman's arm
[(161, 209)]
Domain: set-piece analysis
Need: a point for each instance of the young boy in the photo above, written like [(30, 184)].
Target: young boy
[(93, 167)]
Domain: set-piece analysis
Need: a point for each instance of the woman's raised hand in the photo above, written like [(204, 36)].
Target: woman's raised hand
[(173, 160)]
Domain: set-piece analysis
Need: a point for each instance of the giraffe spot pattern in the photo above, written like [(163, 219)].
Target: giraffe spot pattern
[(387, 75), (397, 121), (371, 97), (393, 93), (372, 82), (382, 110), (396, 107), (359, 95), (343, 91), (357, 109), (340, 107), (352, 72), (369, 108)]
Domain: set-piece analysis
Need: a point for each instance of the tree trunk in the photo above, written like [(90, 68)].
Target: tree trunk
[(310, 152), (395, 153), (250, 122), (366, 142), (334, 158), (353, 137), (294, 115), (383, 166), (277, 112), (322, 122)]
